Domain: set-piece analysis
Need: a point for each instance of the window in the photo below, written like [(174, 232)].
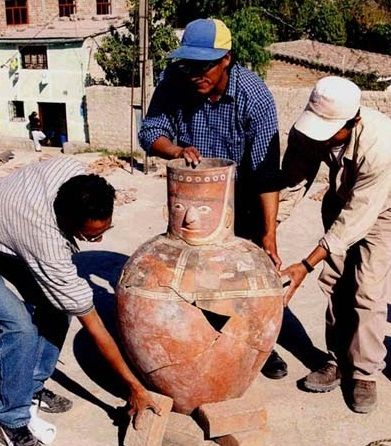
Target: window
[(103, 7), (16, 110), (67, 7), (16, 12), (34, 57)]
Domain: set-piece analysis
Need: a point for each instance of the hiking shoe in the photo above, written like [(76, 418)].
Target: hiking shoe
[(325, 379), (364, 398), (275, 367), (49, 402), (18, 436)]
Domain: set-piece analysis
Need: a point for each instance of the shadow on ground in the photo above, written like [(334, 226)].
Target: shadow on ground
[(294, 338)]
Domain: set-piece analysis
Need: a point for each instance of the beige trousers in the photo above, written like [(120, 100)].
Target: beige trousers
[(356, 288)]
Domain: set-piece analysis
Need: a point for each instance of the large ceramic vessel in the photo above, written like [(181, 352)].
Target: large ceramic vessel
[(199, 309)]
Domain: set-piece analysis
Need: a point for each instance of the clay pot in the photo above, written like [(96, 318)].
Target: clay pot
[(199, 310)]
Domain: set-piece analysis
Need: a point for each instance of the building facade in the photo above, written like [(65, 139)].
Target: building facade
[(46, 51)]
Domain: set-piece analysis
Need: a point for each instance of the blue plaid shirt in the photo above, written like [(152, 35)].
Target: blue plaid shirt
[(241, 125)]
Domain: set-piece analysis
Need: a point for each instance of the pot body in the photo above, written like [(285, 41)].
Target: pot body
[(199, 322), (199, 310)]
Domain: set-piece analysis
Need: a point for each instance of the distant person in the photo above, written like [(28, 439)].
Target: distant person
[(355, 142), (207, 105), (44, 208), (36, 131)]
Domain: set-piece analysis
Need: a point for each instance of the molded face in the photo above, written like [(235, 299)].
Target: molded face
[(200, 202)]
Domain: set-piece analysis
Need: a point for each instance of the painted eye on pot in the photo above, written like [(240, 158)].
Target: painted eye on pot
[(179, 207), (204, 209)]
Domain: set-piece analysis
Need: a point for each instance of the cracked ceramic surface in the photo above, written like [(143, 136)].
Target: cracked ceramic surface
[(199, 319)]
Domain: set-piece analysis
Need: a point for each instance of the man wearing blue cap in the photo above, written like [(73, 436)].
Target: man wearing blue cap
[(212, 107)]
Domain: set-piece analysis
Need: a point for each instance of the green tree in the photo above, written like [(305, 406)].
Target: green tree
[(322, 21), (251, 34), (118, 54), (379, 38)]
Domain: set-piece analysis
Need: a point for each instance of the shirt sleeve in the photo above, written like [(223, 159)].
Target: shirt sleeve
[(62, 285), (262, 129), (367, 201), (159, 120)]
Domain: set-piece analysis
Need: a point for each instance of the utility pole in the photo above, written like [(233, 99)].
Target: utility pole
[(146, 68)]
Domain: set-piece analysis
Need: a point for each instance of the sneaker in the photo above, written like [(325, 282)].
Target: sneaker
[(18, 436), (275, 367), (364, 397), (49, 402), (325, 379)]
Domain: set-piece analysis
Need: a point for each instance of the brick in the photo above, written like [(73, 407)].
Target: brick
[(153, 426), (249, 438), (182, 430), (236, 415)]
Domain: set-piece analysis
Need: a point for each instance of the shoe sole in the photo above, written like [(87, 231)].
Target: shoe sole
[(321, 389), (278, 375), (363, 409)]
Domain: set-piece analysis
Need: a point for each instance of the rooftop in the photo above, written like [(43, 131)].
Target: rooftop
[(326, 56)]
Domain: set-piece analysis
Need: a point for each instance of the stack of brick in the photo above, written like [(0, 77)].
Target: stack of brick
[(235, 422)]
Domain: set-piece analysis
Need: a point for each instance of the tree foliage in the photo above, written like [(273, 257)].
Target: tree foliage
[(251, 35), (118, 54)]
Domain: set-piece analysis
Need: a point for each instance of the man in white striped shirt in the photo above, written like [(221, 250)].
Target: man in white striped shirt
[(43, 208)]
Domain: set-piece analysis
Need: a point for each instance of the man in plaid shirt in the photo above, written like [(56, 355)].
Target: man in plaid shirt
[(209, 106)]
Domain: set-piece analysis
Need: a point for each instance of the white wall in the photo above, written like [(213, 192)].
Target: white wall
[(63, 82)]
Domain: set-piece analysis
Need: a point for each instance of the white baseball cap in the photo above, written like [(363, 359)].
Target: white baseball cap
[(333, 101)]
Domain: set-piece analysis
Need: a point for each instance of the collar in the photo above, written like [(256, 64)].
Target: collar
[(351, 147), (231, 90)]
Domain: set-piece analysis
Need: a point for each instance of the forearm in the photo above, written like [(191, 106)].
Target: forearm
[(268, 202), (166, 149), (109, 349), (317, 255)]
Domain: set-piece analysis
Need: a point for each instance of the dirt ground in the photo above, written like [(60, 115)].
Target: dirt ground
[(295, 418)]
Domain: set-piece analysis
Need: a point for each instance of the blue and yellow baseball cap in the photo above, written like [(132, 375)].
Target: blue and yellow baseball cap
[(204, 39)]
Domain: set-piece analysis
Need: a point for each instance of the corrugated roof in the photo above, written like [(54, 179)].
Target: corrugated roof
[(62, 29), (328, 56)]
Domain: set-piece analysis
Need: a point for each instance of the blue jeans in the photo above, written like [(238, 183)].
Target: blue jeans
[(31, 336)]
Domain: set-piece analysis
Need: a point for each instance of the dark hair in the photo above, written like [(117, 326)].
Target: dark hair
[(82, 198)]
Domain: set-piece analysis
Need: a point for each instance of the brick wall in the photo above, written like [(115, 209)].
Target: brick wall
[(108, 114), (42, 11)]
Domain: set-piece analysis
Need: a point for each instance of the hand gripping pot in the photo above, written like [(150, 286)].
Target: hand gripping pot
[(199, 310)]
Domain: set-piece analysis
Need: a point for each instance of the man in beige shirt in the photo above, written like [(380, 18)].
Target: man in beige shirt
[(355, 143)]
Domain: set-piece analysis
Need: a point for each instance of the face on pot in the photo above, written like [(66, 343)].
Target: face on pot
[(200, 206)]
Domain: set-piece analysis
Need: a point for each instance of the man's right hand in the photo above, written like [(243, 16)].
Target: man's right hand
[(191, 155), (166, 149), (140, 401)]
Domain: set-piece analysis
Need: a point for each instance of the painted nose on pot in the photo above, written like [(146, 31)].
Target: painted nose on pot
[(192, 219)]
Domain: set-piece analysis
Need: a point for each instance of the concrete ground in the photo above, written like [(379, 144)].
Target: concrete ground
[(295, 418)]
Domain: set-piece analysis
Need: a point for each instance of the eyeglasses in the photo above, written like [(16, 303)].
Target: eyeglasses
[(93, 238), (194, 67)]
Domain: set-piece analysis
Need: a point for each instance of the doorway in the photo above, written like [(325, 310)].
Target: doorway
[(54, 122)]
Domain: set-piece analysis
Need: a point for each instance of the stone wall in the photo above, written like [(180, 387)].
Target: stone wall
[(109, 117), (109, 112)]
